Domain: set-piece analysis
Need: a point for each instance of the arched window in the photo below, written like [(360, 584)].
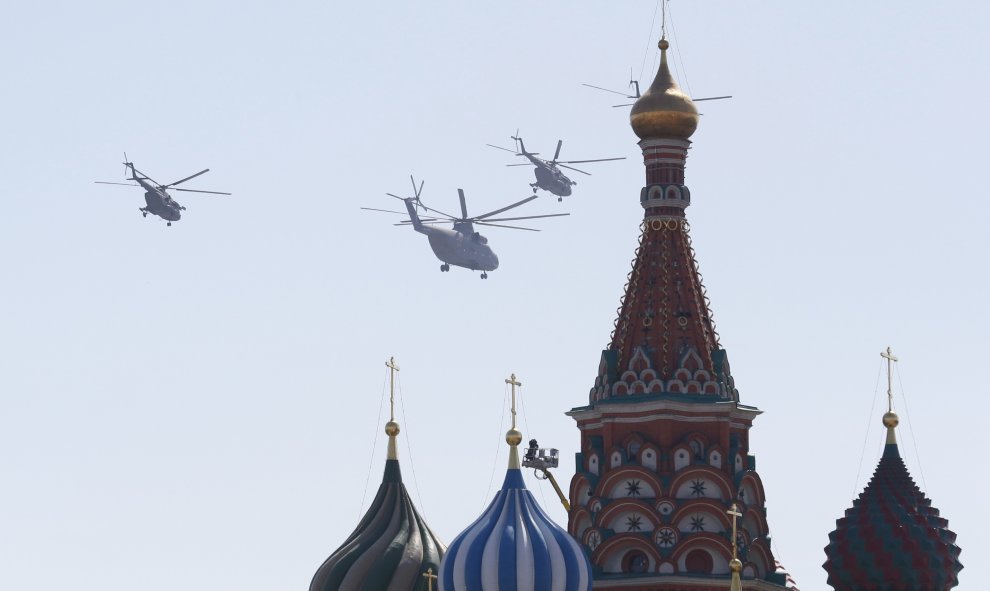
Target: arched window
[(635, 562), (698, 562)]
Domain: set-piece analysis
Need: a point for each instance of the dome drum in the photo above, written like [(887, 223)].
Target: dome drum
[(678, 196)]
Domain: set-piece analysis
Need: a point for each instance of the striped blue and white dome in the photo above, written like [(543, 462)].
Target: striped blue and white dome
[(514, 546)]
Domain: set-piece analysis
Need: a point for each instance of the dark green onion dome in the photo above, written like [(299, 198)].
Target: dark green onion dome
[(392, 548), (892, 539)]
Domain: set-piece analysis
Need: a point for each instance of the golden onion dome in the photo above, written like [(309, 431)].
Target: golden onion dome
[(664, 111)]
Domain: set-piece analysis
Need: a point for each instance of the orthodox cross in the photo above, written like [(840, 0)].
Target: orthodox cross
[(512, 380), (734, 512), (889, 356), (430, 577), (392, 368)]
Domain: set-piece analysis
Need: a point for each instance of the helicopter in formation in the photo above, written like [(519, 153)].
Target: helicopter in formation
[(158, 201), (460, 246), (549, 177), (635, 84)]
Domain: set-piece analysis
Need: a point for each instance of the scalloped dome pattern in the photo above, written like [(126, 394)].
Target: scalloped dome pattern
[(892, 539)]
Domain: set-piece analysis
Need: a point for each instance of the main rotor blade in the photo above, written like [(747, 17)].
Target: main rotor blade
[(606, 90), (503, 226), (557, 153), (460, 195), (506, 208), (521, 164), (595, 160), (384, 210), (124, 184), (713, 98), (527, 217), (425, 223), (446, 215), (625, 105), (501, 148), (199, 191), (204, 171), (572, 168)]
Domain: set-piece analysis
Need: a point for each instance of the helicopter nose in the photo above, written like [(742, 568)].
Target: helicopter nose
[(494, 261)]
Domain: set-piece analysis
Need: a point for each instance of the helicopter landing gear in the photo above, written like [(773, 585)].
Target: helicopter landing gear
[(169, 224), (560, 198), (144, 212), (484, 275), (444, 268)]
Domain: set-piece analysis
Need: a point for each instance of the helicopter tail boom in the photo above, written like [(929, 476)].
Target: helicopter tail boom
[(413, 215)]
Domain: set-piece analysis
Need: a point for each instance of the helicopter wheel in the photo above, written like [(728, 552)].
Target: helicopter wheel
[(444, 268), (144, 214), (169, 224), (484, 275), (560, 198)]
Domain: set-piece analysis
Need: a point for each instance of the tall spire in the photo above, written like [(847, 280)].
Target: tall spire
[(735, 565), (513, 437), (890, 419), (391, 427), (664, 340), (664, 439)]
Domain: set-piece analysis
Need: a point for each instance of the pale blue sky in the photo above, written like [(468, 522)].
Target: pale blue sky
[(195, 407)]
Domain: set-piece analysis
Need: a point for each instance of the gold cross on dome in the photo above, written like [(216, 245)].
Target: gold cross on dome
[(734, 512), (430, 577), (512, 380), (392, 367), (889, 356)]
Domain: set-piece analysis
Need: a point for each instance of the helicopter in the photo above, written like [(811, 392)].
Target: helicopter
[(635, 84), (460, 246), (548, 174), (158, 201)]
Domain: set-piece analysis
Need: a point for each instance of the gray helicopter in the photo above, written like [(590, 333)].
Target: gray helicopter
[(635, 84), (548, 174), (158, 201), (460, 246)]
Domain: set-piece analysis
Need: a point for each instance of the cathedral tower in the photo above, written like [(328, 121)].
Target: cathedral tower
[(664, 439)]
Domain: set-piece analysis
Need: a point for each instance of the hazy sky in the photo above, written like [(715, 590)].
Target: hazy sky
[(197, 407)]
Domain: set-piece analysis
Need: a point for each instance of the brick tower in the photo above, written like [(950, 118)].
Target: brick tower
[(664, 438)]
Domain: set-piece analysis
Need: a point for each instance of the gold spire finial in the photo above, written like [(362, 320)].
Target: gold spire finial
[(430, 577), (890, 418), (513, 437), (664, 111), (735, 565), (391, 427)]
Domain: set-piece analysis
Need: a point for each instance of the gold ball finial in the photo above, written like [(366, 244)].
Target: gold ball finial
[(513, 437), (890, 420), (735, 565), (391, 428), (663, 45)]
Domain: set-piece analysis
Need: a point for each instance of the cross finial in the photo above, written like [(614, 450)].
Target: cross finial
[(392, 367), (430, 577), (512, 380), (734, 512), (889, 356)]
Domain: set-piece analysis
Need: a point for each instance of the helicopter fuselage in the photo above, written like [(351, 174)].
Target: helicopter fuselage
[(161, 204), (549, 178), (461, 247)]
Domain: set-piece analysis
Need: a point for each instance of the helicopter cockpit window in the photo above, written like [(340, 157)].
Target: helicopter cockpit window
[(479, 238)]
